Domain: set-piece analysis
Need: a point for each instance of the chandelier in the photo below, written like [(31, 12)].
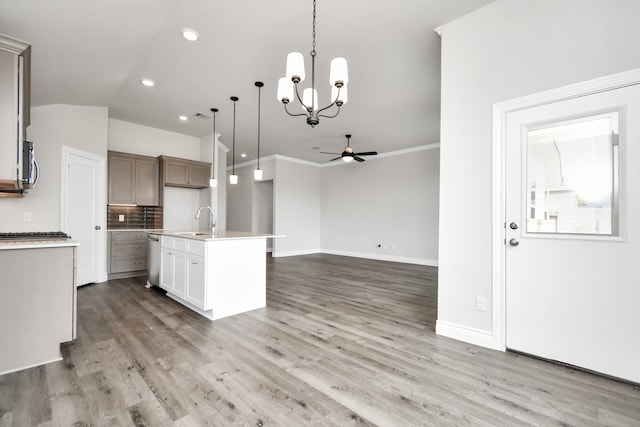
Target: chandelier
[(338, 79)]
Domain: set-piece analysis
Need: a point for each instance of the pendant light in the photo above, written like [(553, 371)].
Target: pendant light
[(257, 174), (213, 182), (233, 178), (288, 86)]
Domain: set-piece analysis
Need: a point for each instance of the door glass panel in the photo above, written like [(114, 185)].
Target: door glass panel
[(572, 176)]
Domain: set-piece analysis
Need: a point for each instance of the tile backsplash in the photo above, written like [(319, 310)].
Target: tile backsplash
[(128, 217)]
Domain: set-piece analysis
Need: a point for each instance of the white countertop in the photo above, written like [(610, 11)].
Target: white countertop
[(204, 235), (146, 230), (36, 244)]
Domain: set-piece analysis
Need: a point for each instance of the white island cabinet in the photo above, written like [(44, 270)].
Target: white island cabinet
[(215, 275)]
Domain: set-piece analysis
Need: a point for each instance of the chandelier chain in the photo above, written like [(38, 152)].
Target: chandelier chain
[(313, 50)]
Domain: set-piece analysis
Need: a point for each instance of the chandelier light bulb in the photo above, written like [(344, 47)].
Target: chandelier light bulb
[(285, 90), (307, 101), (295, 66), (257, 174), (233, 179), (339, 74), (213, 183)]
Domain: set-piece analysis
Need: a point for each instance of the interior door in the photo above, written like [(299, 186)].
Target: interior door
[(572, 235), (83, 219)]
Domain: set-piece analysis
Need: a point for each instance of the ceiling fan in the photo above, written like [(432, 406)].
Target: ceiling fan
[(348, 155)]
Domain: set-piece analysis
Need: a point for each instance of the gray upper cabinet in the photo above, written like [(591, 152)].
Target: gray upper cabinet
[(133, 179), (184, 173), (15, 57)]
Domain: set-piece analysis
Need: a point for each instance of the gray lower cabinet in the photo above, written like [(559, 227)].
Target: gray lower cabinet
[(184, 173), (37, 306), (133, 179), (127, 254)]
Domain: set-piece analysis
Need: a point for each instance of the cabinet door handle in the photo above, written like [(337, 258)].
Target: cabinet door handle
[(194, 263)]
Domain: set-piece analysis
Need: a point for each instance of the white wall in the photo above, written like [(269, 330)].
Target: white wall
[(387, 201), (147, 141), (508, 49), (52, 126), (297, 207)]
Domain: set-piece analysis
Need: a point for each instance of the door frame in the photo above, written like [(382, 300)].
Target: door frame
[(498, 180), (101, 200)]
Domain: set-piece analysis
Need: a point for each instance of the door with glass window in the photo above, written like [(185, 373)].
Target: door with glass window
[(572, 235)]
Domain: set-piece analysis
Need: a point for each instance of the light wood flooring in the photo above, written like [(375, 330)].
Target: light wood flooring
[(343, 341)]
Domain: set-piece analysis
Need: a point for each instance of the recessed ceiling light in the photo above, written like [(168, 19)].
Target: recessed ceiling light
[(243, 155), (148, 82), (183, 118), (191, 35)]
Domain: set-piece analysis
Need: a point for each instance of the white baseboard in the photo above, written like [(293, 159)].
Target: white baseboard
[(464, 333), (379, 257), (383, 257), (277, 254)]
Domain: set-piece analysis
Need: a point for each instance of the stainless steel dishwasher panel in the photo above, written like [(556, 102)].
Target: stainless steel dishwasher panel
[(153, 259)]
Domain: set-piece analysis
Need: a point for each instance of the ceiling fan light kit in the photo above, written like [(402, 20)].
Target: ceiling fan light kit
[(295, 74)]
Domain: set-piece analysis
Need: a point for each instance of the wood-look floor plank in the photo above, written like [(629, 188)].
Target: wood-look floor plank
[(342, 341)]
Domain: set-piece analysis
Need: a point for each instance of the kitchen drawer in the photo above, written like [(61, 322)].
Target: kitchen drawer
[(173, 243), (195, 247), (180, 244), (166, 242), (128, 249), (122, 264), (128, 236)]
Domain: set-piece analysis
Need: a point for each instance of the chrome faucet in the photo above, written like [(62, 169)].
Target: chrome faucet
[(211, 223)]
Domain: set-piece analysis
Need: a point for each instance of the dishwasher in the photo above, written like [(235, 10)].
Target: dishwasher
[(153, 259)]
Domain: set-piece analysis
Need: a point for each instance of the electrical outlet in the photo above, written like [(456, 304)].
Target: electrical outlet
[(120, 218), (27, 216), (481, 304)]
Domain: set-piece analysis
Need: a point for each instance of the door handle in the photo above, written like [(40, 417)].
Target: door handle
[(97, 227), (513, 226), (514, 242)]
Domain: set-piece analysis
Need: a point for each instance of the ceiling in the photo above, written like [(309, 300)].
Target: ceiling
[(97, 52)]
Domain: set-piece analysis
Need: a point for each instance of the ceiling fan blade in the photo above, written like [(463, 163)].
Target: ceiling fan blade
[(326, 152), (359, 159), (366, 153), (335, 159)]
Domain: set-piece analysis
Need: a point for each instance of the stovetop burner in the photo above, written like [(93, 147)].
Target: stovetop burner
[(35, 235)]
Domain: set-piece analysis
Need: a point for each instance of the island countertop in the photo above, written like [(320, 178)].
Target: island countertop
[(205, 235)]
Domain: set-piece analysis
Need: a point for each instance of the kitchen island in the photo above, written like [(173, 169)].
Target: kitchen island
[(37, 301), (216, 275)]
